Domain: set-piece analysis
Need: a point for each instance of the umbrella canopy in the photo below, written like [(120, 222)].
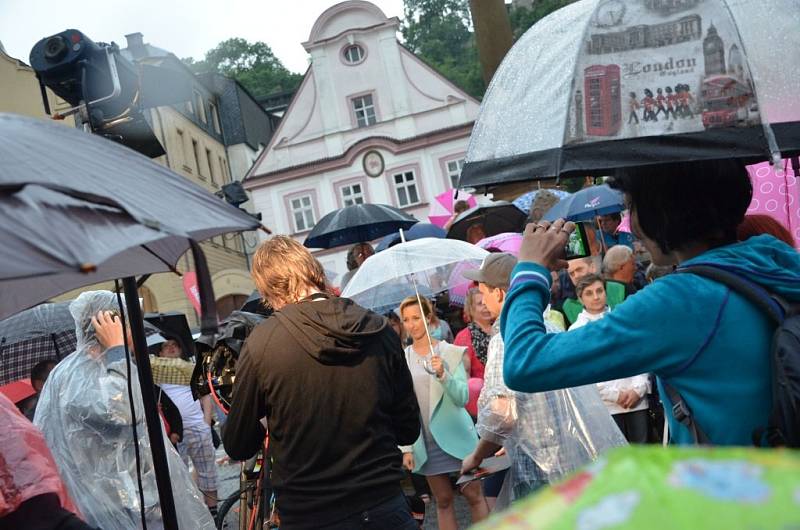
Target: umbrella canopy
[(664, 488), (172, 325), (68, 221), (496, 218), (384, 279), (524, 201), (418, 231), (18, 390), (443, 206), (44, 332), (506, 242), (357, 223), (776, 192), (586, 204), (603, 84)]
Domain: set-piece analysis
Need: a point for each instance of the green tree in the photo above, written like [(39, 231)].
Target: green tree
[(440, 32), (523, 18), (252, 64)]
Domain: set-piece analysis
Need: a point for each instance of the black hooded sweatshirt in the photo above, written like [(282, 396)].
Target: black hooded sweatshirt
[(332, 381)]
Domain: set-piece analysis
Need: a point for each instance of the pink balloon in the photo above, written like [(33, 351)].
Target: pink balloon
[(475, 384)]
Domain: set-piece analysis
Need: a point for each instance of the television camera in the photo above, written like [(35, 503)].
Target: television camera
[(106, 91)]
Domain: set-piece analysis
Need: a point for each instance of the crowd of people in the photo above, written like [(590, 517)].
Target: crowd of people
[(550, 364)]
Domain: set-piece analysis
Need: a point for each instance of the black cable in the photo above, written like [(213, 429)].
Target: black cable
[(133, 409)]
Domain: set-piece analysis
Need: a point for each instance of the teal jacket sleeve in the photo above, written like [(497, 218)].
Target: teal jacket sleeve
[(657, 330), (455, 385)]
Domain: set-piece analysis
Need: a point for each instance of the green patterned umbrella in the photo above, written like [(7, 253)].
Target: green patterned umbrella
[(652, 487)]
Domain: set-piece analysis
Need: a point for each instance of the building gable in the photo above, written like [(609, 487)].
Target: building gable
[(386, 92)]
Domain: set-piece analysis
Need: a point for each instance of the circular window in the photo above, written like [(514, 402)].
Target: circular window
[(353, 54)]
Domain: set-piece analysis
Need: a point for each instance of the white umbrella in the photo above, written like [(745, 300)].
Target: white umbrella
[(426, 265)]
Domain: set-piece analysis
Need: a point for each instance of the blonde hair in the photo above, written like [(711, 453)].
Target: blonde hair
[(427, 308), (283, 270), (468, 301)]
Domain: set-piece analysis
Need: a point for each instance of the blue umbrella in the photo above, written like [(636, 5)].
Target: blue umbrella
[(524, 201), (418, 231), (586, 204)]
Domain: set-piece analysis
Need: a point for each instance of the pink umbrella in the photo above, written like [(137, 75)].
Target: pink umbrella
[(776, 193), (505, 242), (442, 207)]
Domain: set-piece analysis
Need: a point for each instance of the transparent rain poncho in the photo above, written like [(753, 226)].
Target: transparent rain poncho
[(85, 415), (547, 434)]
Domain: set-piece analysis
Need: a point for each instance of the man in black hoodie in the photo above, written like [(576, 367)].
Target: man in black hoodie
[(331, 380)]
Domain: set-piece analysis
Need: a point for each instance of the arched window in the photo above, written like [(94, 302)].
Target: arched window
[(353, 54)]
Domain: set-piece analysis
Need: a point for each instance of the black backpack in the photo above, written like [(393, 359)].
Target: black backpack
[(783, 425)]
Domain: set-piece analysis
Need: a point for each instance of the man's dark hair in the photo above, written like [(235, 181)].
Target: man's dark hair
[(689, 202), (41, 369), (615, 216)]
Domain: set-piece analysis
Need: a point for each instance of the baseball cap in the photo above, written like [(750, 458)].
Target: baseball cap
[(495, 270)]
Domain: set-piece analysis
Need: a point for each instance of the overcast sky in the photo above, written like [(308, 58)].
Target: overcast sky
[(187, 28)]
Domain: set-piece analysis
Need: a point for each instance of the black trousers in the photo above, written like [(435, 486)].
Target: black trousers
[(633, 425)]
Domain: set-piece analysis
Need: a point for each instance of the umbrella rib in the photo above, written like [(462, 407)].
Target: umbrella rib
[(162, 260)]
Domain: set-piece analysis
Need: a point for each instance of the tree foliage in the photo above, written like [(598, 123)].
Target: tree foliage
[(252, 64), (523, 18), (440, 32)]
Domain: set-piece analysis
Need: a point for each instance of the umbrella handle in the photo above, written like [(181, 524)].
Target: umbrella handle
[(425, 364)]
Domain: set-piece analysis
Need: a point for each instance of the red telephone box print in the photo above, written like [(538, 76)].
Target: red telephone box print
[(603, 103)]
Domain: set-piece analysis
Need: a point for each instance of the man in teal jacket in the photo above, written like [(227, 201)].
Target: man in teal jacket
[(708, 342)]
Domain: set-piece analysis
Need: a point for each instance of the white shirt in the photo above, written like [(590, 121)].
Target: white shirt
[(610, 390), (190, 409)]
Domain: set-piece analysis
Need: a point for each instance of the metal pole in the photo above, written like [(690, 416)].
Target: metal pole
[(160, 466)]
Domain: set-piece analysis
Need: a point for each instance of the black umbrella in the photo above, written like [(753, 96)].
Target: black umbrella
[(496, 218), (38, 334), (174, 326), (357, 223), (96, 210)]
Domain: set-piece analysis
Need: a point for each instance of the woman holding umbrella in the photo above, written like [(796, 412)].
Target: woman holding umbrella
[(448, 434)]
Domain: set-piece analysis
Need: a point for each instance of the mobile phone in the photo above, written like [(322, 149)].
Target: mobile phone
[(578, 243)]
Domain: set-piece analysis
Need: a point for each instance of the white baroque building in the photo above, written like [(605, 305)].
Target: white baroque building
[(370, 122)]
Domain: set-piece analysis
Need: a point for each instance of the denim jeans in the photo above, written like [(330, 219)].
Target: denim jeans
[(392, 514)]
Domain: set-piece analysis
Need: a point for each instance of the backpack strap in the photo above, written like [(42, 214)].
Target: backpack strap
[(773, 305), (682, 414)]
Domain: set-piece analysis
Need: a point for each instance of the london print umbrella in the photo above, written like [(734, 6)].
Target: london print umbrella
[(659, 488), (603, 84)]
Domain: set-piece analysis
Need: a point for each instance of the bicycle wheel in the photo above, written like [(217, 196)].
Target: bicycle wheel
[(229, 513)]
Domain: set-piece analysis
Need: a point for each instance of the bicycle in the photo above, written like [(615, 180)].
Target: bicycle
[(252, 507)]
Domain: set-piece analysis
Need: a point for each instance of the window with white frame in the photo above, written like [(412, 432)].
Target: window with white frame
[(353, 54), (454, 168), (303, 213), (200, 106), (364, 109), (405, 187), (352, 194)]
